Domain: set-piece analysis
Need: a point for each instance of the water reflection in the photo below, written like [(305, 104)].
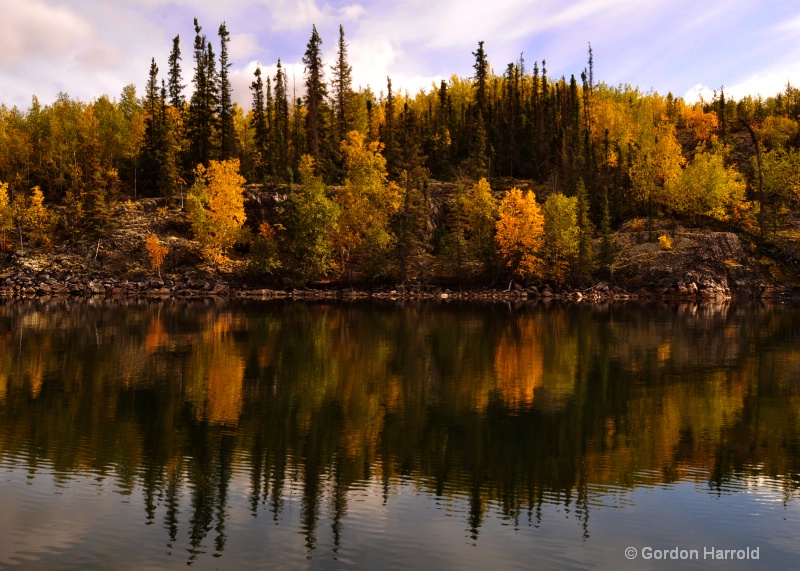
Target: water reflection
[(504, 410)]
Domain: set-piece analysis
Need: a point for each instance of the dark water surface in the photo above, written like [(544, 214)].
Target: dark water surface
[(328, 436)]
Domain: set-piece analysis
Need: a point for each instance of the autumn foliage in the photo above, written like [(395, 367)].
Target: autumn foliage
[(365, 207), (216, 207), (520, 232), (156, 251)]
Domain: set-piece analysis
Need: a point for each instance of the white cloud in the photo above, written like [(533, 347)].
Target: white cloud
[(296, 14), (764, 84), (371, 62), (242, 46), (697, 93), (34, 30), (351, 12), (91, 47)]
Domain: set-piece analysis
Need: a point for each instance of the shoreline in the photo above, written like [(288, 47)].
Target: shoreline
[(81, 288)]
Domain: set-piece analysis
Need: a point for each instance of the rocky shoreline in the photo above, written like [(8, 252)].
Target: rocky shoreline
[(45, 286), (701, 266)]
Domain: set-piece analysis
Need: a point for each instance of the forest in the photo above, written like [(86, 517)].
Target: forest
[(514, 174)]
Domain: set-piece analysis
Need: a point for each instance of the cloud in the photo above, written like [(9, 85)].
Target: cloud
[(34, 30), (92, 47), (86, 49), (697, 93), (351, 12), (764, 84), (296, 14), (242, 46)]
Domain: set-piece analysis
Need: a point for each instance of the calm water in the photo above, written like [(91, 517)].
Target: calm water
[(328, 436)]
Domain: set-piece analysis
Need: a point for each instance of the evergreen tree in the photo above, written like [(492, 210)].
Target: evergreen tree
[(269, 118), (316, 92), (342, 90), (203, 102), (441, 144), (258, 121), (154, 135), (606, 243), (585, 261), (227, 133), (478, 163), (481, 78), (174, 83), (412, 224), (281, 122), (161, 139), (388, 131)]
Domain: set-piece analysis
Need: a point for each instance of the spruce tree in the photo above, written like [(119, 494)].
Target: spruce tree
[(606, 242), (342, 89), (170, 124), (316, 92), (281, 122), (258, 121), (175, 86), (481, 78), (412, 224), (203, 102), (585, 261), (269, 118), (227, 132), (388, 131), (154, 140), (477, 165)]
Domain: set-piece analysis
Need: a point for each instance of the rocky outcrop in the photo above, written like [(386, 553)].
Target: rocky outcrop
[(694, 263)]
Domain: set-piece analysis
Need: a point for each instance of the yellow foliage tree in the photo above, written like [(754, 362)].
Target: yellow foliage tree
[(520, 231), (32, 217), (367, 201), (156, 251), (706, 187), (656, 164), (6, 219), (310, 220), (216, 207), (777, 131), (479, 209), (561, 236), (40, 220), (703, 124)]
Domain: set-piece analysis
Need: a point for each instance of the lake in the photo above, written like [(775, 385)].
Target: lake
[(226, 435)]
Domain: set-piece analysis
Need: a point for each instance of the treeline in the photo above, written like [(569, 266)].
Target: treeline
[(605, 153)]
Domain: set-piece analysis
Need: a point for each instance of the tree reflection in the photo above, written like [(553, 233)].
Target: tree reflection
[(504, 410)]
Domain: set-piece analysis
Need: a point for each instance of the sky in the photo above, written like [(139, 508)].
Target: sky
[(90, 48)]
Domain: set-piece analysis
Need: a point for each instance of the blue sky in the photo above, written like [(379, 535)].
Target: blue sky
[(96, 47)]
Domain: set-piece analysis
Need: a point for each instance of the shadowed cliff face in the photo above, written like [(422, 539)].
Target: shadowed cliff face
[(700, 262)]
